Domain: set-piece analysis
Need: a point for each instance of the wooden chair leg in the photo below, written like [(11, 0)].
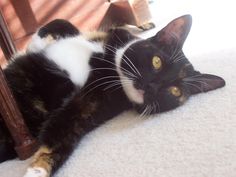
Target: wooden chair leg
[(25, 144), (6, 41)]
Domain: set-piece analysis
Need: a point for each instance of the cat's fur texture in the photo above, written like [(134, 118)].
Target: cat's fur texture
[(119, 73)]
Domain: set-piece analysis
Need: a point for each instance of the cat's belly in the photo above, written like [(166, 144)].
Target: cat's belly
[(73, 55)]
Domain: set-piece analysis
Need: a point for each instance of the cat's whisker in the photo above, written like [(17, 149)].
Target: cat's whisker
[(143, 113), (200, 80), (112, 85), (119, 39), (124, 82), (112, 69), (123, 69), (149, 110), (107, 77), (96, 69), (175, 53), (131, 67), (158, 106), (137, 71), (203, 82), (155, 107), (116, 88), (107, 82), (179, 58), (193, 85), (109, 48), (104, 83), (198, 75)]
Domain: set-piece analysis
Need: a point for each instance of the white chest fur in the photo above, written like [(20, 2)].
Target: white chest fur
[(134, 95), (73, 55)]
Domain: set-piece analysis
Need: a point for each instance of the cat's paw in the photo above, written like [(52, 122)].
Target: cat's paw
[(36, 172)]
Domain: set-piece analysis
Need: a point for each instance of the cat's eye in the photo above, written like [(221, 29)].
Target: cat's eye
[(156, 62), (175, 91)]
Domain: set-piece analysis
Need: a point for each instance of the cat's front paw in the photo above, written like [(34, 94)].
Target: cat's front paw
[(36, 172)]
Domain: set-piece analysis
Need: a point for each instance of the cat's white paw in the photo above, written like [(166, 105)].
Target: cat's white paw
[(36, 172)]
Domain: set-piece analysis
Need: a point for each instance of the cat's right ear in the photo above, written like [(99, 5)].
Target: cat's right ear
[(203, 83), (175, 32)]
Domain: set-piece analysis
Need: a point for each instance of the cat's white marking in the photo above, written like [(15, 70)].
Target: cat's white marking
[(36, 172), (135, 95), (37, 43), (72, 54)]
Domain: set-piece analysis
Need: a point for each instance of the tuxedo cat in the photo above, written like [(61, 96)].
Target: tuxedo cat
[(149, 76)]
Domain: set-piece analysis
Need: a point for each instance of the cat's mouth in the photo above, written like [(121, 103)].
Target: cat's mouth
[(134, 95)]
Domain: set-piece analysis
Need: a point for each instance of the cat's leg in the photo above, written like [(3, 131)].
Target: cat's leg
[(6, 143), (59, 138), (50, 157)]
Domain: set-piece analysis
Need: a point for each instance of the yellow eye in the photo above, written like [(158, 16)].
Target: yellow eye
[(156, 62), (175, 91)]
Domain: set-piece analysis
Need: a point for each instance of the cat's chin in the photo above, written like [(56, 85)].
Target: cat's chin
[(135, 95)]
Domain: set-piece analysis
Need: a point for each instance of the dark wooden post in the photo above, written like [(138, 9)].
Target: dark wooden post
[(25, 144), (6, 41)]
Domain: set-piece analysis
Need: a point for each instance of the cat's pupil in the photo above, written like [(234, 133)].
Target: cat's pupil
[(175, 91), (156, 62)]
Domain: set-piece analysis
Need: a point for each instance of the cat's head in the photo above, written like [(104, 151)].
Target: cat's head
[(155, 74)]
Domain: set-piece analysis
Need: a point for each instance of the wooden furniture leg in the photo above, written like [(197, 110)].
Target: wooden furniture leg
[(25, 144), (6, 41)]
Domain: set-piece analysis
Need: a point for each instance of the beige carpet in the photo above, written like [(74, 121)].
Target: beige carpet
[(195, 140)]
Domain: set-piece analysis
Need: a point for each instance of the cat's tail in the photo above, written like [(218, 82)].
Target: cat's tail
[(7, 151)]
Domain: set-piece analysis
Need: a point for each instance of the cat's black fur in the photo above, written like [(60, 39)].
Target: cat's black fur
[(38, 85), (99, 101), (58, 28)]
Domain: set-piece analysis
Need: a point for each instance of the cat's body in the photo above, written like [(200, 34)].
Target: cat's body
[(42, 80), (149, 76)]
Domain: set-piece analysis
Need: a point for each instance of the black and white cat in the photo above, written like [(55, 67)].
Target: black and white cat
[(67, 83), (124, 72)]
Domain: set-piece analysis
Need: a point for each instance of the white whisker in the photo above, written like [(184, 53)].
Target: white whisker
[(123, 69), (193, 85)]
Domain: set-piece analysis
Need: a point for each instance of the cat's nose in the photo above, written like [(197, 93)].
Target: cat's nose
[(141, 92)]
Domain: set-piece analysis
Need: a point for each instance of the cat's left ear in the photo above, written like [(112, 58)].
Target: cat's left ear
[(175, 32), (203, 83)]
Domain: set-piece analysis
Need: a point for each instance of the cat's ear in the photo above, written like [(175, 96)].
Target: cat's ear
[(203, 83), (175, 32)]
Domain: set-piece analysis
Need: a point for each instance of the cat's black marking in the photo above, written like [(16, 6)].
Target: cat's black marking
[(38, 85), (58, 28)]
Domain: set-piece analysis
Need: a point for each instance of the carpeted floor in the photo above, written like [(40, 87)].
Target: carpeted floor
[(195, 140)]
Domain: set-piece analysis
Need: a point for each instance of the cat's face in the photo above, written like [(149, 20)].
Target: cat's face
[(155, 74)]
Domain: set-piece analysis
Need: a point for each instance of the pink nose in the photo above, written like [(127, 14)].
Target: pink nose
[(141, 92)]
